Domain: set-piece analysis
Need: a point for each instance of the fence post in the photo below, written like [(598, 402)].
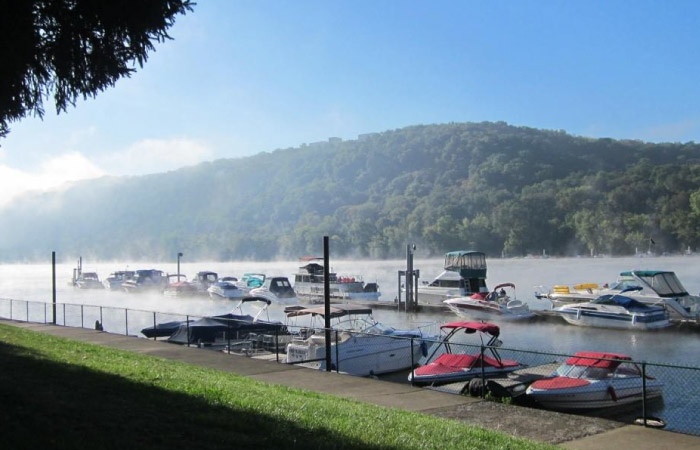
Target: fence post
[(27, 303), (483, 374), (101, 321), (154, 326), (413, 364), (44, 313), (644, 393), (228, 334), (126, 322), (82, 321), (64, 314), (187, 322), (277, 344), (337, 358), (11, 309)]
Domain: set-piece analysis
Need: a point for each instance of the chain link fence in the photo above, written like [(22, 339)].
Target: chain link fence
[(605, 385)]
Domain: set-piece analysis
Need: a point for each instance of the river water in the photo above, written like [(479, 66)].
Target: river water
[(672, 346)]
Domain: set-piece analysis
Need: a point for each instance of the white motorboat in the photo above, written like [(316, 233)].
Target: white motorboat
[(88, 280), (464, 275), (115, 279), (498, 303), (359, 344), (616, 311), (449, 362), (148, 280), (227, 288), (308, 284), (277, 290), (592, 380), (656, 287)]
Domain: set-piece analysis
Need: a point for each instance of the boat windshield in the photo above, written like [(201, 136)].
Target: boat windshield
[(588, 372)]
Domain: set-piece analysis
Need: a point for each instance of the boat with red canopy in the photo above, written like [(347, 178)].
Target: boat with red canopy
[(592, 380), (451, 361)]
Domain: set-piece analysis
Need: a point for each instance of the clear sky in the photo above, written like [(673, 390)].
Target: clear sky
[(241, 77)]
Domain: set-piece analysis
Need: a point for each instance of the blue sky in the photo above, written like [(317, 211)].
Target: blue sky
[(241, 77)]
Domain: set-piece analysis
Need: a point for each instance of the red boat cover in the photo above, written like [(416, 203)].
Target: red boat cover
[(596, 359), (448, 362), (471, 327), (559, 383), (479, 295)]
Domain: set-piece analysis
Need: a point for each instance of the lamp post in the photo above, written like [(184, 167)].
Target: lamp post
[(179, 255)]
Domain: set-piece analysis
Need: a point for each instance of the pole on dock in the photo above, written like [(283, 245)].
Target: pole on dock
[(409, 279), (53, 284), (327, 302)]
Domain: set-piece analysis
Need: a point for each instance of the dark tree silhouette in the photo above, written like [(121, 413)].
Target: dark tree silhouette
[(72, 48)]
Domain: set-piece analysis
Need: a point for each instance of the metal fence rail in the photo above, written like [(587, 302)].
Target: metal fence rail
[(630, 391)]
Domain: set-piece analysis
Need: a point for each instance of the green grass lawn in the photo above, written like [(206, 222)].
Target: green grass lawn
[(57, 393)]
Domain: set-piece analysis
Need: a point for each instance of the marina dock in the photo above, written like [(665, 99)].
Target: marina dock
[(570, 431)]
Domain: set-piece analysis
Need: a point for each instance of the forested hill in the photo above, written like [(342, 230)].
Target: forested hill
[(488, 186)]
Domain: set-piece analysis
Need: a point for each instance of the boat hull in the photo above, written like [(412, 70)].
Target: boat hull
[(359, 355), (620, 321), (471, 308), (596, 395)]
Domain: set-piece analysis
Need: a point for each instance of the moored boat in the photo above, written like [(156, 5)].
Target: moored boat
[(88, 280), (615, 311), (115, 279), (360, 345), (276, 289), (308, 284), (148, 280), (655, 287), (496, 304), (227, 288), (464, 274), (447, 364), (592, 380)]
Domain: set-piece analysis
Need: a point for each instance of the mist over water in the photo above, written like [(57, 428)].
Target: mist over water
[(33, 282)]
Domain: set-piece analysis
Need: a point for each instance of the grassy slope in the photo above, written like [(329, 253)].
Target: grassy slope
[(56, 393)]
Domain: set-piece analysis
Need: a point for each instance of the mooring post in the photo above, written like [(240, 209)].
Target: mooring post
[(53, 284), (408, 282), (327, 301)]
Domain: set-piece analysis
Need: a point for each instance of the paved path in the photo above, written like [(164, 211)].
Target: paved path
[(570, 431)]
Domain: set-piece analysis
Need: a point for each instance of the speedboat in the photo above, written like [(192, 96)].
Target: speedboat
[(250, 281), (447, 364), (360, 345), (277, 290), (149, 280), (498, 303), (115, 279), (180, 287), (464, 274), (308, 284), (227, 288), (616, 311), (591, 380), (203, 280), (217, 329), (656, 287), (88, 280)]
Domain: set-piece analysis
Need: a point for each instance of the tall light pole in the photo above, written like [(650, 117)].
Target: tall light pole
[(179, 255)]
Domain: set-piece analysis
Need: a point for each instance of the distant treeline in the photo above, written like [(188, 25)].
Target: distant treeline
[(488, 186)]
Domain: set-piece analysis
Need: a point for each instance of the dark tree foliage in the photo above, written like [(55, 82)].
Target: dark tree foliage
[(73, 48)]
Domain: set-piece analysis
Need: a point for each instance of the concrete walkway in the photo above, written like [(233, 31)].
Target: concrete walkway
[(570, 431)]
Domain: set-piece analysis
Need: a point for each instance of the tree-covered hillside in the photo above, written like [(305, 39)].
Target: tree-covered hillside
[(487, 186)]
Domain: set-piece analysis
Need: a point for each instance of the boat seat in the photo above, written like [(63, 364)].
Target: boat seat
[(464, 361)]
